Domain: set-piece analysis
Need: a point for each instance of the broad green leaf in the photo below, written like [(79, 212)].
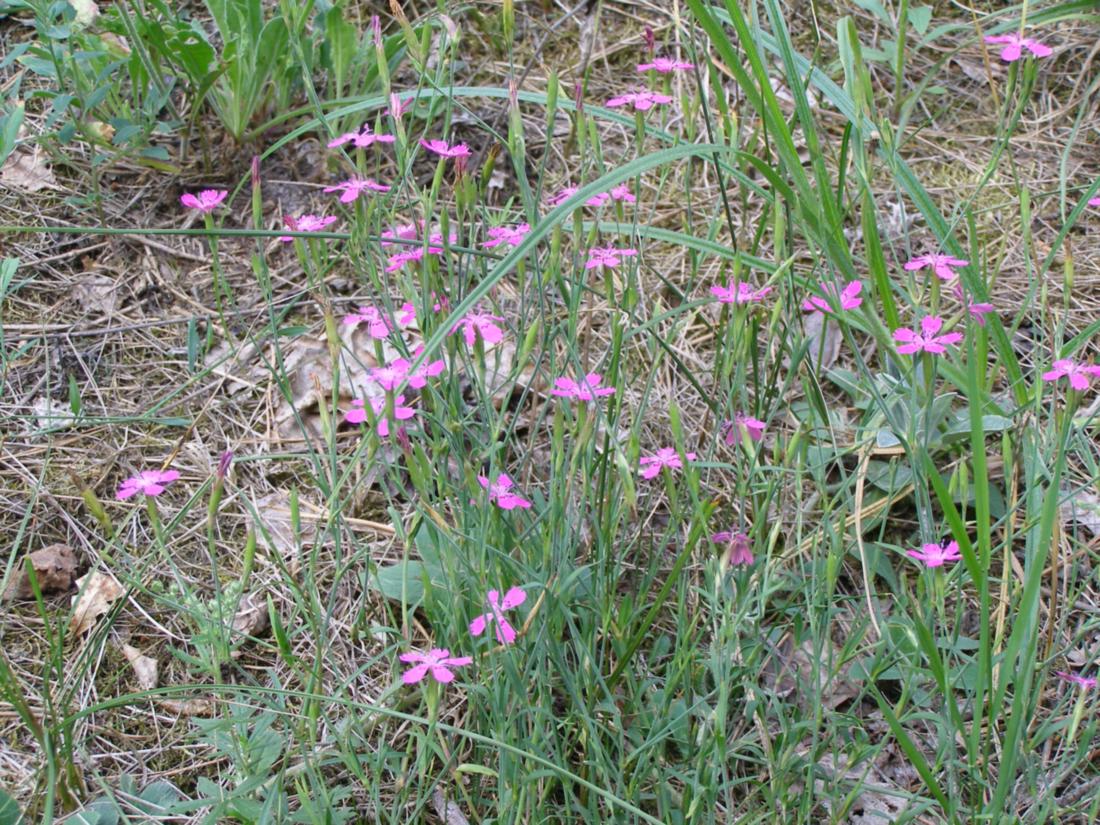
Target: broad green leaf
[(9, 811), (920, 17)]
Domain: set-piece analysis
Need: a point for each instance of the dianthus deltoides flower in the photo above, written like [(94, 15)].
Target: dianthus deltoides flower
[(943, 265), (928, 339), (641, 101), (736, 545), (936, 555), (305, 223), (1084, 682), (149, 482), (665, 65), (505, 633), (742, 293), (352, 188), (205, 201), (1015, 45), (587, 389), (848, 298), (1080, 375), (665, 457), (361, 139), (500, 491), (437, 662)]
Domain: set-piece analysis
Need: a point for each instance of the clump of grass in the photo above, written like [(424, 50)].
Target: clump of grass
[(643, 548)]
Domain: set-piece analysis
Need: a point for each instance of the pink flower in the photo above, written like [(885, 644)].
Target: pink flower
[(664, 457), (737, 546), (849, 297), (607, 256), (588, 389), (354, 187), (622, 193), (506, 634), (1015, 45), (398, 107), (399, 259), (358, 413), (437, 662), (206, 201), (499, 491), (926, 340), (562, 196), (742, 294), (511, 235), (664, 65), (1094, 201), (754, 427), (480, 323), (940, 264), (978, 312), (378, 324), (360, 139), (1085, 682), (444, 149), (306, 223), (404, 232), (396, 373), (149, 482), (936, 555), (641, 101), (1079, 375)]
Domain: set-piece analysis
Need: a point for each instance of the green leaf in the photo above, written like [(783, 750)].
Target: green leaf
[(920, 17), (407, 581), (9, 811), (9, 131), (342, 40)]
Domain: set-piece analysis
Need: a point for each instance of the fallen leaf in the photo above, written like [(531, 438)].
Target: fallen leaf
[(54, 568), (98, 591), (274, 528), (252, 618), (448, 812), (824, 337), (96, 293), (26, 169), (188, 707), (1082, 509), (86, 12), (145, 667)]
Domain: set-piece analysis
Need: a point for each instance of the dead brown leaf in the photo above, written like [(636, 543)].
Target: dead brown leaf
[(98, 591), (145, 667), (96, 293), (1083, 510), (188, 707), (448, 812), (26, 169), (274, 528), (54, 568), (252, 618)]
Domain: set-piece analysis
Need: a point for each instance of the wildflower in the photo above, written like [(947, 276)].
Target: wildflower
[(607, 256), (562, 196), (506, 634), (511, 235), (398, 107), (480, 323), (754, 427), (622, 193), (1015, 45), (641, 101), (926, 340), (587, 389), (149, 482), (378, 324), (1079, 375), (936, 555), (358, 413), (737, 546), (444, 149), (206, 201), (942, 265), (1085, 682), (403, 232), (742, 294), (361, 139), (978, 312), (664, 457), (499, 491), (306, 223), (437, 661), (399, 259), (354, 187), (396, 373), (224, 460), (848, 299), (1094, 201), (665, 65)]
